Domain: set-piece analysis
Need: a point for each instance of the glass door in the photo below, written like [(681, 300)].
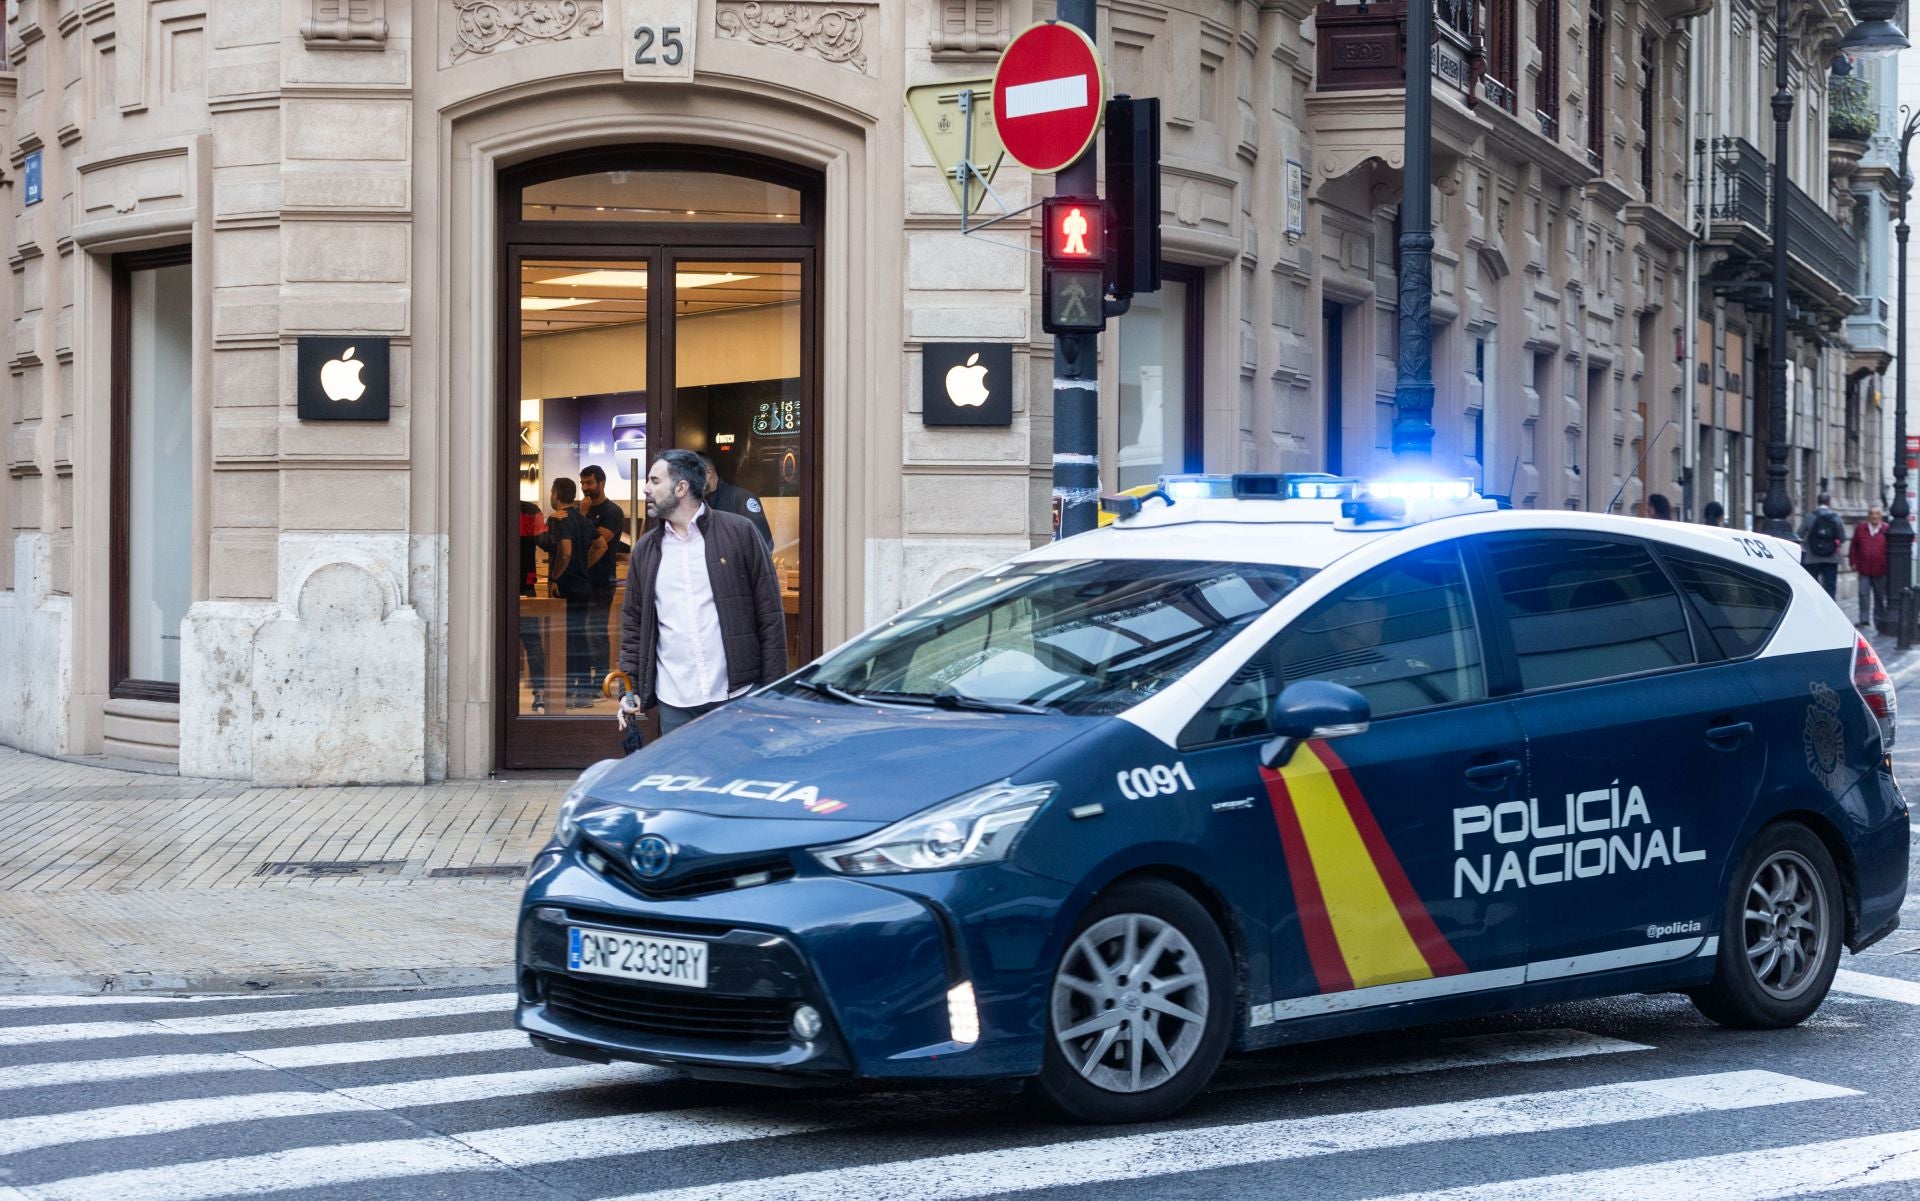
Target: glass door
[(601, 373), (740, 398)]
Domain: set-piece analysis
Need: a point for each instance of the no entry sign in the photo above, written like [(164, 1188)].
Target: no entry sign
[(1048, 96)]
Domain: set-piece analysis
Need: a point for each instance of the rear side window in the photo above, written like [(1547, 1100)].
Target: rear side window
[(1583, 609), (1740, 608), (1401, 635)]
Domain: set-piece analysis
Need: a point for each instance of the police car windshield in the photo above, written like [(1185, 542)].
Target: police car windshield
[(1078, 636)]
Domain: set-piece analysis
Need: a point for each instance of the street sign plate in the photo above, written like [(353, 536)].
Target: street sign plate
[(942, 113), (1049, 94)]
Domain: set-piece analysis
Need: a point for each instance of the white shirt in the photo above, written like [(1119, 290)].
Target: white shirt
[(692, 661)]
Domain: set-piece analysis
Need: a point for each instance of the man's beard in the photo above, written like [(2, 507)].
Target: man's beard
[(653, 510)]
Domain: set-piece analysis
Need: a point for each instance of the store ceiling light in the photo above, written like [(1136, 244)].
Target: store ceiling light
[(538, 304), (618, 277)]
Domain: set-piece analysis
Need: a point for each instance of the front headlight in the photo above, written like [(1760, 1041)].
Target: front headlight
[(564, 825), (978, 827)]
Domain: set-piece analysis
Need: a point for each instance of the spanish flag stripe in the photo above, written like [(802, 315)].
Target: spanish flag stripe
[(1373, 938), (1434, 947), (1323, 950)]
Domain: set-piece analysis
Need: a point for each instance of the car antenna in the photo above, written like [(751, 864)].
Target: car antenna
[(1638, 463)]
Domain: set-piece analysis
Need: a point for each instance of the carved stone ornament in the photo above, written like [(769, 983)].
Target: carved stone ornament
[(834, 33), (482, 26)]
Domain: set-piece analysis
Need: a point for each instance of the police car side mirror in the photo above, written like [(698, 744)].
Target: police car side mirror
[(1312, 709)]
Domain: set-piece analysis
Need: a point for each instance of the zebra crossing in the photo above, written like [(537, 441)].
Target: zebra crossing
[(194, 1099)]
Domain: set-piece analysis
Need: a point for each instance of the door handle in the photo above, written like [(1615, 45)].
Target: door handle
[(1487, 775), (1731, 735)]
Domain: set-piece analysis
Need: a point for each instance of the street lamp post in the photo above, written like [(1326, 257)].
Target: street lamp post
[(1413, 391), (1899, 527), (1778, 507)]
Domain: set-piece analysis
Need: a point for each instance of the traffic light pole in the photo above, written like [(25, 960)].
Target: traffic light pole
[(1076, 357)]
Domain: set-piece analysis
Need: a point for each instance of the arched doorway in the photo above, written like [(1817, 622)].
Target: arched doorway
[(651, 297)]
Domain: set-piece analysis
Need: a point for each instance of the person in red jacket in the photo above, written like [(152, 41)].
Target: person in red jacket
[(1867, 555)]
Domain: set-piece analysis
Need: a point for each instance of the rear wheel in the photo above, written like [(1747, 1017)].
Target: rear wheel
[(1139, 1009), (1780, 937)]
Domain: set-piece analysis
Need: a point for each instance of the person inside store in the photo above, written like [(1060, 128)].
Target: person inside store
[(533, 524), (609, 522), (702, 622), (568, 537), (731, 498)]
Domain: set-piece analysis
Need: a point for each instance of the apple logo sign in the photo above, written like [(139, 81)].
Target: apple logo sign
[(340, 378), (966, 383), (344, 378)]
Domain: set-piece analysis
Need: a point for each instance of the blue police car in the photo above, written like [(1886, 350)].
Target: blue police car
[(1267, 759)]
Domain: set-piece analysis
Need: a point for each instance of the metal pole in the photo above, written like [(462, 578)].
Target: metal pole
[(1076, 357), (1413, 392), (1778, 507), (1899, 527)]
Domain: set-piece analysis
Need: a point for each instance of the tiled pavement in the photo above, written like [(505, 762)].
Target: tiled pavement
[(126, 880)]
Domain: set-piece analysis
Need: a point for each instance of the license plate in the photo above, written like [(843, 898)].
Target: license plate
[(637, 957)]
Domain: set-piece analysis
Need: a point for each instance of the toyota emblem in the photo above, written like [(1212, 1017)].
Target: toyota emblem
[(652, 856)]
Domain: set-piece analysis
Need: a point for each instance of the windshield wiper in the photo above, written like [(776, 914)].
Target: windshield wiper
[(950, 698), (822, 688)]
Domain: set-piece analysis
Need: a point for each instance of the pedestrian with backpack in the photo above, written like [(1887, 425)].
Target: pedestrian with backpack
[(1820, 537)]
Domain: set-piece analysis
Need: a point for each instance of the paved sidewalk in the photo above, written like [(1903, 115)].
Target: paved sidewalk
[(125, 881)]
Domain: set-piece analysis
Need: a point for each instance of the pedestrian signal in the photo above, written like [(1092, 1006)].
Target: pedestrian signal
[(1074, 299), (1076, 230)]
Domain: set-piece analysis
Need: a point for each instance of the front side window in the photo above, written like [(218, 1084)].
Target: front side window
[(1402, 636), (1082, 636), (152, 379), (1582, 609)]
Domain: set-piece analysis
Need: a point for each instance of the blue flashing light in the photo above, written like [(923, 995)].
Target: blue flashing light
[(1405, 489), (1196, 487)]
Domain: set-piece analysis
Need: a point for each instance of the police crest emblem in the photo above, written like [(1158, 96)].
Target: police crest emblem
[(1823, 737)]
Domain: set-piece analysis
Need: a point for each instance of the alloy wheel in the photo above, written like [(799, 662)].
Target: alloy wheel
[(1786, 924), (1130, 1003)]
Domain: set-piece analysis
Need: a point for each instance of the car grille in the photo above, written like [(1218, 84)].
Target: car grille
[(721, 877), (676, 1014)]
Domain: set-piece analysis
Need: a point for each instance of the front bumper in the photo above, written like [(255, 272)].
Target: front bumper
[(875, 961)]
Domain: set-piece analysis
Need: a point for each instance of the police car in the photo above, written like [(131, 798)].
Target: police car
[(1267, 759)]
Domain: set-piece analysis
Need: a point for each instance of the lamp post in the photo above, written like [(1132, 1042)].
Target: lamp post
[(1778, 507), (1413, 391), (1899, 527)]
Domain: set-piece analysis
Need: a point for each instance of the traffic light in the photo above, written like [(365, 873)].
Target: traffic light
[(1133, 189), (1076, 231), (1074, 275)]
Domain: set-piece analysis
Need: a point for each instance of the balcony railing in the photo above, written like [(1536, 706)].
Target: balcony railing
[(1364, 46), (1739, 180)]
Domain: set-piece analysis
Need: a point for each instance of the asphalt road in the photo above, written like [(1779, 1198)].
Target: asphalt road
[(428, 1094)]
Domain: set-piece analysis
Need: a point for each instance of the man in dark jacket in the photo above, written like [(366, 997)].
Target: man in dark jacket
[(702, 621), (732, 498)]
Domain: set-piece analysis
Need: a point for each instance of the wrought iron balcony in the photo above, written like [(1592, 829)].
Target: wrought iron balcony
[(1823, 253)]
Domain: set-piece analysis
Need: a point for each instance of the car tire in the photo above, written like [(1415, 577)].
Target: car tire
[(1780, 934), (1172, 1019)]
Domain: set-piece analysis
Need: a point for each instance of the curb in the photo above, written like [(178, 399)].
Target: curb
[(280, 980)]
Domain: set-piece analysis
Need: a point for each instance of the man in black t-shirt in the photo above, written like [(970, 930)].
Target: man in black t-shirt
[(568, 542), (731, 498), (609, 524)]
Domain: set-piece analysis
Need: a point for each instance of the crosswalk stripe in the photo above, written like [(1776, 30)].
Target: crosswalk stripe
[(1851, 1163), (96, 1071), (478, 1151), (1164, 1153), (168, 1117), (1884, 987), (1449, 1054), (272, 1019)]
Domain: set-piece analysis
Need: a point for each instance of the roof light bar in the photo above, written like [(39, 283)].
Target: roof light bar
[(1197, 486), (1461, 489)]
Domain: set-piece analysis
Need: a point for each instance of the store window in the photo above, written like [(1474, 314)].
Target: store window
[(1160, 412), (152, 471)]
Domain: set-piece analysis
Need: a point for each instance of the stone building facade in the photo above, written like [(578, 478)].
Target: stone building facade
[(496, 192)]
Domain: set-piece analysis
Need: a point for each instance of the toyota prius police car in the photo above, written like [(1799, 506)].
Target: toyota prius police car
[(1267, 759)]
